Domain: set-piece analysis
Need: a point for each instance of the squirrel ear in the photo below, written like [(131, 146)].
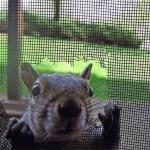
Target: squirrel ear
[(28, 75), (86, 74)]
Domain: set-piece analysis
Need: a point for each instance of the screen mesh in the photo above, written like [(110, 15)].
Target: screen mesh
[(115, 33)]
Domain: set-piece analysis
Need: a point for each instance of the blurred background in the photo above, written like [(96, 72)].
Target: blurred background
[(64, 36), (52, 31)]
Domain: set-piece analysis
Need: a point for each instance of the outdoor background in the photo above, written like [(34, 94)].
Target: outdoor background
[(64, 36)]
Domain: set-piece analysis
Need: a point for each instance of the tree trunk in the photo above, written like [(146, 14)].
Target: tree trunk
[(56, 30), (56, 10)]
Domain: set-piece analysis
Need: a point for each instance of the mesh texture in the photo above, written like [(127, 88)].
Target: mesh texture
[(116, 33)]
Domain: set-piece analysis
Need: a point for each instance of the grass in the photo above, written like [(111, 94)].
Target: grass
[(126, 66), (120, 33)]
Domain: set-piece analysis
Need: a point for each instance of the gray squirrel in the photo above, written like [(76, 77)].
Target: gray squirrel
[(58, 110)]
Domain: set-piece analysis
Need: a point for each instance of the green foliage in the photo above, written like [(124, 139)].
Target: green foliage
[(127, 64), (99, 75), (98, 79), (3, 21), (68, 28), (37, 25), (102, 32), (112, 33), (3, 15), (139, 18)]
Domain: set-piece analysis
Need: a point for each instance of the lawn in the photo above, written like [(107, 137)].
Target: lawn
[(126, 66)]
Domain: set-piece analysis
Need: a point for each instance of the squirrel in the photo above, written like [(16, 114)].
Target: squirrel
[(58, 110)]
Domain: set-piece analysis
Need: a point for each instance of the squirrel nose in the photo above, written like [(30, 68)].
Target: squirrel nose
[(69, 109)]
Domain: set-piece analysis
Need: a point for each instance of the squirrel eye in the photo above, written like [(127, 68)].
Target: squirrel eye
[(90, 91), (36, 90)]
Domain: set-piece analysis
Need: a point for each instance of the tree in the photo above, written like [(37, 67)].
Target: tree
[(56, 10), (56, 29), (139, 18)]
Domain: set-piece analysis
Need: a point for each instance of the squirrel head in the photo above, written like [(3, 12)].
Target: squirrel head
[(57, 108)]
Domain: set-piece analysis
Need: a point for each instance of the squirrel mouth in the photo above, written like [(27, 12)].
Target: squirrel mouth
[(66, 131), (69, 129)]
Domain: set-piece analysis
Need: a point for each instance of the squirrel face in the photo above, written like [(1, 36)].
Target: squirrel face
[(57, 109)]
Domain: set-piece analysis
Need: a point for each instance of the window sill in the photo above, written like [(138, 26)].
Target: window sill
[(14, 108)]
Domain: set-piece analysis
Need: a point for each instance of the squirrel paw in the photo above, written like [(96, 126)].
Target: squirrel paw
[(110, 121), (19, 133)]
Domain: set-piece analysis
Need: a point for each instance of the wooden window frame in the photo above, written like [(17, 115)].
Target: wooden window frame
[(15, 108)]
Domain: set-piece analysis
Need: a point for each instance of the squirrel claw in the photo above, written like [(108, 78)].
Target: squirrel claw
[(19, 133), (110, 121)]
